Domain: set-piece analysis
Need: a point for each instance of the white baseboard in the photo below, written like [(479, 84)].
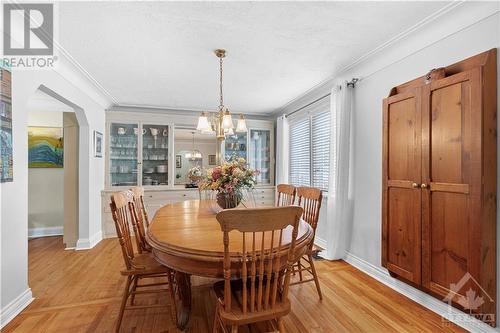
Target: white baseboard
[(431, 303), (11, 310), (45, 232), (320, 242), (88, 243)]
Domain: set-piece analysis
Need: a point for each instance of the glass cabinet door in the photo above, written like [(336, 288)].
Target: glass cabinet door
[(260, 154), (123, 154), (155, 154), (235, 146)]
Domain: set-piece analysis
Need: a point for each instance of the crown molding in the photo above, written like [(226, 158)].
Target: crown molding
[(176, 111), (69, 68), (464, 15)]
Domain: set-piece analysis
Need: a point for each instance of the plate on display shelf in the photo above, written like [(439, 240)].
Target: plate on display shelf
[(124, 184)]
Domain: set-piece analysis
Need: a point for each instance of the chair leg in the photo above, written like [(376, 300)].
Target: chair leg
[(134, 288), (124, 302), (234, 329), (281, 326), (315, 275), (300, 269)]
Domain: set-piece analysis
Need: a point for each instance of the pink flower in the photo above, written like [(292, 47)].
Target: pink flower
[(216, 174)]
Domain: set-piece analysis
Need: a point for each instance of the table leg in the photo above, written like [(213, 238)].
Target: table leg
[(184, 292)]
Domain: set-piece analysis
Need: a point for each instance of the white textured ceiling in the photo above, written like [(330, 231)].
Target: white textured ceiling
[(160, 53)]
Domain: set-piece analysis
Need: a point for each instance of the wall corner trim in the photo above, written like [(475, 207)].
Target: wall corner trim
[(11, 310), (442, 309), (88, 243)]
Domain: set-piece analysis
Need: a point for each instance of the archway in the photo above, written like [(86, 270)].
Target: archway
[(83, 155)]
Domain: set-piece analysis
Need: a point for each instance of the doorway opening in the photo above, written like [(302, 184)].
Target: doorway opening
[(53, 159)]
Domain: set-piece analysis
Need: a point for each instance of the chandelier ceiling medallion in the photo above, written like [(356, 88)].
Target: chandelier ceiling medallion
[(220, 122)]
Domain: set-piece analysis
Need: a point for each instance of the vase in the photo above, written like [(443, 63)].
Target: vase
[(228, 200)]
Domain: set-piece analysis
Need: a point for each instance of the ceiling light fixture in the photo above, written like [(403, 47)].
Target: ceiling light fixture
[(194, 154), (221, 122)]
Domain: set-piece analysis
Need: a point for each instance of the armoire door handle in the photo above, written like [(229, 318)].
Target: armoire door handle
[(415, 185), (423, 186)]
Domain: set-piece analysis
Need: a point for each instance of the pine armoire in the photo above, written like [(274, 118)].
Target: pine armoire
[(439, 184)]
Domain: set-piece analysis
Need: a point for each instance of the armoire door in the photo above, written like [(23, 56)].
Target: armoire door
[(401, 209), (451, 189)]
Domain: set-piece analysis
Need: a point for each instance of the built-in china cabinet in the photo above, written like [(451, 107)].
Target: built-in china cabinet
[(151, 149), (257, 147), (138, 159)]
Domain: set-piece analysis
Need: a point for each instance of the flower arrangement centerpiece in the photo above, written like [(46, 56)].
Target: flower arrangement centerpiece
[(228, 180), (195, 175)]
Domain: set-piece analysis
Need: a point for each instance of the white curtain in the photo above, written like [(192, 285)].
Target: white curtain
[(339, 207), (282, 150)]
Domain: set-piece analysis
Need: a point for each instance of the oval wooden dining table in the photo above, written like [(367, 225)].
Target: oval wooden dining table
[(187, 238)]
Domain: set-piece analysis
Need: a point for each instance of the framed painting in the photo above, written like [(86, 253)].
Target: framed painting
[(6, 157), (97, 144), (45, 147), (211, 160)]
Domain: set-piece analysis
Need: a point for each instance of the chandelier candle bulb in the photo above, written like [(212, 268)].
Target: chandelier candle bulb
[(227, 121), (241, 127), (203, 124)]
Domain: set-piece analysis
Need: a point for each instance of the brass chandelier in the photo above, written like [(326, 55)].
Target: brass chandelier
[(220, 122)]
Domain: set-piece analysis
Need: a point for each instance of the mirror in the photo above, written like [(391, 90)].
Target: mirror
[(185, 159)]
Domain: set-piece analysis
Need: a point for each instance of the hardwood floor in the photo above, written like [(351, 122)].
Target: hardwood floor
[(81, 292)]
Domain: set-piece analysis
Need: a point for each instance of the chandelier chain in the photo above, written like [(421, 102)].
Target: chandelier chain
[(220, 85)]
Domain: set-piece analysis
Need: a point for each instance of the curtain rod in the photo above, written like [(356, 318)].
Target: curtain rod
[(351, 84)]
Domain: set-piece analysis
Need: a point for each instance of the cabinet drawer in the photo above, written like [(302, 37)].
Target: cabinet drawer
[(264, 194), (171, 195), (264, 203)]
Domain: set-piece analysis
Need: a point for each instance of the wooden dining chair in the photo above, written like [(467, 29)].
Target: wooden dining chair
[(286, 195), (137, 266), (309, 198), (141, 220), (260, 292)]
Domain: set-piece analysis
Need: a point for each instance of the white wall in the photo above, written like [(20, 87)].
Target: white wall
[(368, 96), (366, 224), (467, 30), (378, 77), (45, 185), (71, 85)]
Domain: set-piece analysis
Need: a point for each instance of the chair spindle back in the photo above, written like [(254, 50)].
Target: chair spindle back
[(286, 195), (141, 219), (123, 210), (261, 253), (310, 200)]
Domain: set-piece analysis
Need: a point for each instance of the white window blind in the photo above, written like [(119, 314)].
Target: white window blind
[(300, 152), (320, 125), (309, 146)]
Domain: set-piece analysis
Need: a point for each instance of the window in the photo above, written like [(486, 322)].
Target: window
[(320, 125), (300, 153), (310, 150)]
